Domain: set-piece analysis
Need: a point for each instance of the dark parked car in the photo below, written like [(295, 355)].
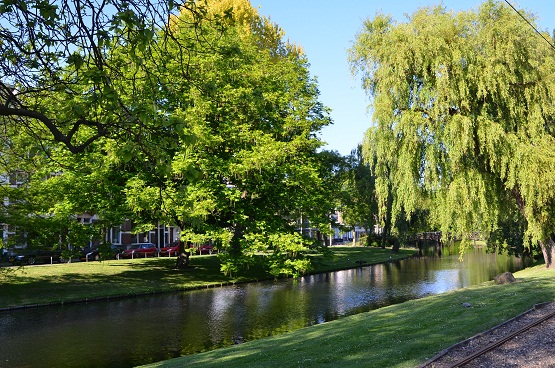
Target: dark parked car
[(170, 250), (140, 250), (5, 255), (107, 251), (32, 256)]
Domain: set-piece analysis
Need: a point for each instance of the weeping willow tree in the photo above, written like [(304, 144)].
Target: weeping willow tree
[(463, 117)]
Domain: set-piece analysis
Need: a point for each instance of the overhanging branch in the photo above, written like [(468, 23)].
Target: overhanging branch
[(57, 134)]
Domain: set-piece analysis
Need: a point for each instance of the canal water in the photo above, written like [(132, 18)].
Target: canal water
[(131, 332)]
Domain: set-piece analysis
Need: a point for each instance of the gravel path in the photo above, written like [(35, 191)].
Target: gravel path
[(532, 348)]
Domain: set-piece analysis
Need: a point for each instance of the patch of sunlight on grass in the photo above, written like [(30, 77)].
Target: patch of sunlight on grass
[(66, 282)]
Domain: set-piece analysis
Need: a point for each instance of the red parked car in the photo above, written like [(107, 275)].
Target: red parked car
[(170, 250), (205, 249), (140, 250)]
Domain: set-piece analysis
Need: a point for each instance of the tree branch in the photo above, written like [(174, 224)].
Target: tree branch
[(57, 134)]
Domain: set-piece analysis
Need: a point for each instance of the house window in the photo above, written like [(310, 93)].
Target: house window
[(115, 235), (84, 220)]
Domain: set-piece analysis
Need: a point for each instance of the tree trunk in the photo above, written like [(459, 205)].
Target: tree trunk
[(236, 240), (548, 250), (386, 230), (396, 246), (320, 238), (547, 245), (182, 261), (388, 214)]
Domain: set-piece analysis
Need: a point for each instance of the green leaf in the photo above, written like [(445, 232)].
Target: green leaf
[(76, 60)]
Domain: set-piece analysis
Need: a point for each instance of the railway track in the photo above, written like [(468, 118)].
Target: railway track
[(483, 343)]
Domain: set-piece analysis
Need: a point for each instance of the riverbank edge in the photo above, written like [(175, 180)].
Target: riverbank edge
[(191, 288), (387, 337)]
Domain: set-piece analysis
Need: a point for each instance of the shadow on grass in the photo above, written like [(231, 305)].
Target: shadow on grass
[(86, 281), (83, 281)]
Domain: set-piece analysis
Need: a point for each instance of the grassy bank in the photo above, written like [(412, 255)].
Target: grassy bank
[(69, 282), (403, 335)]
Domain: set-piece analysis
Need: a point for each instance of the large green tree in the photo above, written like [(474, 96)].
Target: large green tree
[(244, 161), (218, 136), (71, 102), (463, 105)]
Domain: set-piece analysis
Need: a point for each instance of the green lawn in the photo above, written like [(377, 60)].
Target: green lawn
[(68, 282), (403, 335)]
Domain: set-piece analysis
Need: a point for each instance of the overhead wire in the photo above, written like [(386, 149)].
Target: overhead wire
[(531, 25)]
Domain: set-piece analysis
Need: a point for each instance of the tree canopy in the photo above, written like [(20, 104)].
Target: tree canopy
[(65, 63), (464, 116), (204, 117)]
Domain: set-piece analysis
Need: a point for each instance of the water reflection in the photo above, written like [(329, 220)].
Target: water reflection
[(131, 332)]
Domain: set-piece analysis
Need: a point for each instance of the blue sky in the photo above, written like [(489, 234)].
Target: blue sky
[(326, 29)]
